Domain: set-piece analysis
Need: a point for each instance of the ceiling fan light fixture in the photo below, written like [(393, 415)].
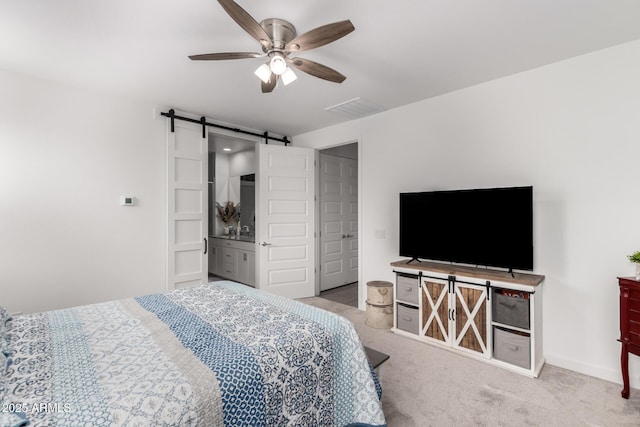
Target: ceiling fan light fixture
[(288, 76), (278, 39), (264, 73), (278, 64)]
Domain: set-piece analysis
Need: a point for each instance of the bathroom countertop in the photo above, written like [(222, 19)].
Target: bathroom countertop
[(249, 239)]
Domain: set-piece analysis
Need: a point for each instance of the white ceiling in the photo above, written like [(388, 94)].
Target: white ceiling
[(223, 144), (400, 52)]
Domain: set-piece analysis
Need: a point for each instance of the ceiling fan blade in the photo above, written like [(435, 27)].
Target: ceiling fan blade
[(246, 21), (270, 85), (317, 70), (320, 36), (224, 55)]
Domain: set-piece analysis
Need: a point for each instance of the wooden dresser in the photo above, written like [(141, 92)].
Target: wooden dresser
[(629, 325)]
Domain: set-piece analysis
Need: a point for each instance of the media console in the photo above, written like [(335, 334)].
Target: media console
[(486, 314)]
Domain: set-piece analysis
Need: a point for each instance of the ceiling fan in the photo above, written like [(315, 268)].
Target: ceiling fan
[(279, 40)]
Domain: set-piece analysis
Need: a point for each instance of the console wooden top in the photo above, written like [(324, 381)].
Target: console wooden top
[(480, 273)]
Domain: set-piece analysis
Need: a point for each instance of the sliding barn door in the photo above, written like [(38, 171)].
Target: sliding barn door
[(187, 201), (286, 220), (435, 310), (471, 317)]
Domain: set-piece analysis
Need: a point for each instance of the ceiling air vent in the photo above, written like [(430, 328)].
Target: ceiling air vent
[(356, 108)]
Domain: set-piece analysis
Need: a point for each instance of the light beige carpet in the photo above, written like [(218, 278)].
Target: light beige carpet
[(428, 386)]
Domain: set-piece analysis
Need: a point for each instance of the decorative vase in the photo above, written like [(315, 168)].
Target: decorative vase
[(637, 270), (226, 230)]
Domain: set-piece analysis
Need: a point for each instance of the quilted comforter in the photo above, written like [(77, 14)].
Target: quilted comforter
[(217, 354)]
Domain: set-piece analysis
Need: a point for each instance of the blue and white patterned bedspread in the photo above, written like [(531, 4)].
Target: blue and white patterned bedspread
[(213, 355)]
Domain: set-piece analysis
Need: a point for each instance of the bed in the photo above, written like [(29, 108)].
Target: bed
[(212, 355)]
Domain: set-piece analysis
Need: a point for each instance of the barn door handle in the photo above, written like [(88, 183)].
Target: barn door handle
[(205, 245)]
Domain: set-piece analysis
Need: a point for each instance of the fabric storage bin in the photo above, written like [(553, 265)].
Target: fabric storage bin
[(407, 288), (379, 304), (511, 308), (379, 316), (512, 347), (380, 292), (407, 319)]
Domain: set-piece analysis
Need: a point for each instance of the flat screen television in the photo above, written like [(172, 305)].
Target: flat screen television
[(483, 227)]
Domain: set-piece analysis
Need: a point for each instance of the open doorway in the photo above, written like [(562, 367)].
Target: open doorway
[(338, 224), (231, 180)]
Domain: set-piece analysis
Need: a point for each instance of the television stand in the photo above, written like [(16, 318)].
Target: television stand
[(413, 259), (489, 315), (511, 272)]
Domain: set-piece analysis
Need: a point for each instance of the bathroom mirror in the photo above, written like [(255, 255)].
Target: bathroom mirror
[(248, 203), (234, 189)]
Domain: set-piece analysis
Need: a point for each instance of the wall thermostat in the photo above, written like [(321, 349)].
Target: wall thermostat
[(126, 200)]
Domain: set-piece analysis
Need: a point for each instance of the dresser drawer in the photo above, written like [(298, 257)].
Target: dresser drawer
[(631, 330), (407, 319), (230, 255), (407, 288), (230, 270), (230, 263), (512, 348)]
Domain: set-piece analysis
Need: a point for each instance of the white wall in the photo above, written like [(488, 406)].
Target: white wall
[(242, 163), (66, 156), (572, 130), (222, 178)]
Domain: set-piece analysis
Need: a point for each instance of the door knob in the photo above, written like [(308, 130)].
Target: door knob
[(265, 244)]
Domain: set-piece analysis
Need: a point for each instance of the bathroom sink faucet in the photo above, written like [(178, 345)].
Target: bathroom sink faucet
[(246, 231)]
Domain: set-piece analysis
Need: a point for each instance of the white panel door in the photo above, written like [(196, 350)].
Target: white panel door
[(350, 218), (332, 233), (285, 220), (186, 205), (338, 221)]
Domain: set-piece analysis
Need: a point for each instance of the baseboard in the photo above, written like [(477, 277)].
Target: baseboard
[(607, 374)]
